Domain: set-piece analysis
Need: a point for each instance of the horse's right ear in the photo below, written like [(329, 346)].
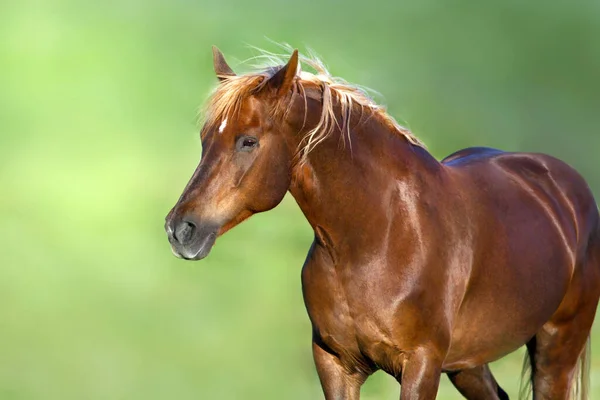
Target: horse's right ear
[(283, 79), (222, 70)]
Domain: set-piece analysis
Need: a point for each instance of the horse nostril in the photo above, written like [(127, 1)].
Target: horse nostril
[(184, 232)]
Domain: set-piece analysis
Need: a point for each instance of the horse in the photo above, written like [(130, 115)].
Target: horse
[(418, 267)]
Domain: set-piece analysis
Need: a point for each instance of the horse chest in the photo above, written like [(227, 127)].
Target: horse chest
[(328, 307), (360, 338), (353, 319)]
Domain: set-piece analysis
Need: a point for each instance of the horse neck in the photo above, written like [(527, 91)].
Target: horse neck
[(347, 192)]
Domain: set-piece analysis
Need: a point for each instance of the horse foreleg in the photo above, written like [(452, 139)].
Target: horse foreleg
[(337, 381), (421, 375), (477, 384)]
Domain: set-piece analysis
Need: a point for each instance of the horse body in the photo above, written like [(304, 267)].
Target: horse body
[(418, 267), (482, 248)]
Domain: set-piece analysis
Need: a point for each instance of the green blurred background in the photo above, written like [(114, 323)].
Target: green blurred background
[(98, 137)]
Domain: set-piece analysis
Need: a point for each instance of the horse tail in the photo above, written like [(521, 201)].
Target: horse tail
[(526, 376), (580, 381), (581, 377)]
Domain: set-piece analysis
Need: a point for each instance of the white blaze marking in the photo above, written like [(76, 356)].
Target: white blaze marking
[(223, 125)]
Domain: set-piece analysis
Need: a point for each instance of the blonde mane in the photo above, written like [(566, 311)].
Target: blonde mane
[(228, 96)]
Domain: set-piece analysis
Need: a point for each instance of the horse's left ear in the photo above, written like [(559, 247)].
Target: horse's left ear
[(222, 69), (283, 79)]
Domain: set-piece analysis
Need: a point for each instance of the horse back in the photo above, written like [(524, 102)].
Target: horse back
[(470, 154), (554, 184)]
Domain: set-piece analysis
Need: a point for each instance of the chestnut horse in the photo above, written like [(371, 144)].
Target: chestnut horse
[(418, 267)]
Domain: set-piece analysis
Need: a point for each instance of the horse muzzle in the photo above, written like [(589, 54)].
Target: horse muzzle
[(191, 240)]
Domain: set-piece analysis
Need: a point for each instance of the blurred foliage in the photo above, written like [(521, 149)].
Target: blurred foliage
[(98, 137)]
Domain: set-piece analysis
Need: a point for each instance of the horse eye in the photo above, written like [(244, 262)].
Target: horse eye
[(246, 143)]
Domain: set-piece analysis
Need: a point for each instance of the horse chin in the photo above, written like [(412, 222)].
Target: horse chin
[(199, 250)]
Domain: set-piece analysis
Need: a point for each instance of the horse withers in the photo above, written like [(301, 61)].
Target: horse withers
[(418, 267)]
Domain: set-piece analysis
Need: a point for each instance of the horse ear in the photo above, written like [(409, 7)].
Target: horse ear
[(222, 70), (284, 78)]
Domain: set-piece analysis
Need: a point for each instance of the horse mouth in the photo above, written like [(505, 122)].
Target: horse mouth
[(197, 250)]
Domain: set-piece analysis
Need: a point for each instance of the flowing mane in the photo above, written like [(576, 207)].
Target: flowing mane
[(227, 97)]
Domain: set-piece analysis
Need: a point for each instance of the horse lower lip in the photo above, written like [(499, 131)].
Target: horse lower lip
[(175, 252), (202, 250)]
